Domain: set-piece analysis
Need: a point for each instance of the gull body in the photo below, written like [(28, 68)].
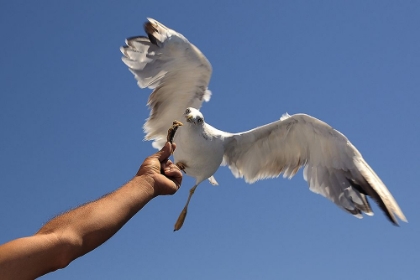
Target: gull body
[(179, 74), (201, 151)]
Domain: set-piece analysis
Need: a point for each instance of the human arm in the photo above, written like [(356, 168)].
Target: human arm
[(79, 231)]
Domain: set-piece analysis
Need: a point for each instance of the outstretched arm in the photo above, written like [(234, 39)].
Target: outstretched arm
[(79, 231)]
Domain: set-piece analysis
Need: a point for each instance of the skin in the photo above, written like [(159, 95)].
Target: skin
[(79, 231)]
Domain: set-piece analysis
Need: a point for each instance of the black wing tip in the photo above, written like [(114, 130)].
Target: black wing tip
[(366, 188), (392, 218), (150, 28)]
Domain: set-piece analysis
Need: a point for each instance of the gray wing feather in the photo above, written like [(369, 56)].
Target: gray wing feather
[(334, 168)]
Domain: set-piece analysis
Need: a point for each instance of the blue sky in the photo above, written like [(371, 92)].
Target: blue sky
[(71, 120)]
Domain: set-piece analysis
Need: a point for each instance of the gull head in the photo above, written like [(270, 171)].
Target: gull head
[(194, 117)]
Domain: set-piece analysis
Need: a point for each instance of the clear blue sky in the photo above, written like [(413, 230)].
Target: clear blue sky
[(71, 119)]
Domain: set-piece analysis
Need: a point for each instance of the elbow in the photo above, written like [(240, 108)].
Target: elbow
[(71, 249), (67, 247)]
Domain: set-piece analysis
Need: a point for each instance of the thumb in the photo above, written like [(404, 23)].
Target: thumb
[(165, 152)]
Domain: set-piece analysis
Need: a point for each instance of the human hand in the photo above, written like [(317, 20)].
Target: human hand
[(164, 176)]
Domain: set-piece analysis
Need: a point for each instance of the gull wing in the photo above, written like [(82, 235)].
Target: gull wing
[(175, 69), (334, 168)]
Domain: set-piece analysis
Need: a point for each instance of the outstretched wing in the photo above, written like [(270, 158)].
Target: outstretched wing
[(334, 168), (175, 69)]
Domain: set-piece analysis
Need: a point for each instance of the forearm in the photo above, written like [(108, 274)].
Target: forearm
[(74, 233), (90, 225)]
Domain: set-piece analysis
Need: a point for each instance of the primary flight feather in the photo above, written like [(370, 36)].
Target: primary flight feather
[(179, 74)]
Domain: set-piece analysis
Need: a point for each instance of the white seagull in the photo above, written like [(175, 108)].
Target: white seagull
[(179, 74)]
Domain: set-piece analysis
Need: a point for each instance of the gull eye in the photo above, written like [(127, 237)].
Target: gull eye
[(200, 120), (187, 111)]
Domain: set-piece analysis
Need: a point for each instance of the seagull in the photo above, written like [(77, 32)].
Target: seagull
[(179, 74)]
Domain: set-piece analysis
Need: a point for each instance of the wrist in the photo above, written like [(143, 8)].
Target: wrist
[(147, 183)]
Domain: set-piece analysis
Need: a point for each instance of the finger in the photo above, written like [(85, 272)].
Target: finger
[(164, 164), (165, 152), (169, 166), (172, 171)]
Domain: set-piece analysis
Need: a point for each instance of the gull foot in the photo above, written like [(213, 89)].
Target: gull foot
[(181, 166), (181, 219), (183, 215)]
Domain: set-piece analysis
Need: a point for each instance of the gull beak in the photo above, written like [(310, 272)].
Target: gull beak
[(189, 118)]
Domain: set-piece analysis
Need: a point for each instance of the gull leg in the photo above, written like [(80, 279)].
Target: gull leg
[(183, 214)]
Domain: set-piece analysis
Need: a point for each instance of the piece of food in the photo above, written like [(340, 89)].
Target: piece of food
[(172, 130)]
